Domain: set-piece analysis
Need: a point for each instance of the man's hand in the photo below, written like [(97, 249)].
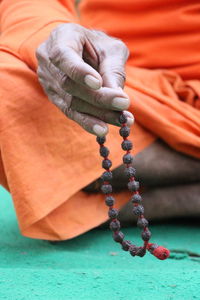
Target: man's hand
[(82, 73)]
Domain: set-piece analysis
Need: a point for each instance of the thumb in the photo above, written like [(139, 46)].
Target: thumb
[(112, 69)]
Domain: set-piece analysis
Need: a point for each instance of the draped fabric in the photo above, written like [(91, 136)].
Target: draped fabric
[(46, 159)]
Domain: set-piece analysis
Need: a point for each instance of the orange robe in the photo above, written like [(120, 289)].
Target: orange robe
[(46, 159)]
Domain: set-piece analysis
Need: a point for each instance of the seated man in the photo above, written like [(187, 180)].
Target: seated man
[(48, 162)]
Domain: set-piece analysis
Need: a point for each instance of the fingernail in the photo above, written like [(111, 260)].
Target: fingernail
[(130, 121), (99, 130), (120, 103), (92, 82), (130, 117)]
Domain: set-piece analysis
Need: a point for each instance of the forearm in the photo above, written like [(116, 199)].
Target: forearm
[(26, 23)]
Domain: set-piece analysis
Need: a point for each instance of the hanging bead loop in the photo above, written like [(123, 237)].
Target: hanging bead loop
[(133, 186)]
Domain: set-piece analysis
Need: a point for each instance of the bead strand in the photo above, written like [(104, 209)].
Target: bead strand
[(133, 186), (106, 189)]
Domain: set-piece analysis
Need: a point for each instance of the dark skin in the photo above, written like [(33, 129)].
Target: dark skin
[(82, 71), (170, 180)]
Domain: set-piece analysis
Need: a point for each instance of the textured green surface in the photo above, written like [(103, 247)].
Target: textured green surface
[(93, 267)]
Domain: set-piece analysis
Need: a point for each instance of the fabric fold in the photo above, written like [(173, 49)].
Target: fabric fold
[(48, 158), (45, 158)]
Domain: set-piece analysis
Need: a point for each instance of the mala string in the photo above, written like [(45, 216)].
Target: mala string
[(133, 186)]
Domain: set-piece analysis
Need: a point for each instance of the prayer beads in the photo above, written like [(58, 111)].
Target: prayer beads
[(133, 186)]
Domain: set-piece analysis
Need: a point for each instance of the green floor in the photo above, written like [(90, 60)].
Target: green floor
[(93, 267)]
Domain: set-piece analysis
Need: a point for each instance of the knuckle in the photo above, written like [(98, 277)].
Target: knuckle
[(50, 91), (99, 33), (39, 73), (121, 74), (40, 51), (59, 103), (127, 52), (56, 32), (122, 48), (102, 115), (84, 121), (118, 71), (65, 83), (68, 99), (54, 54), (63, 27), (52, 96), (73, 71), (121, 78), (98, 98), (71, 114), (120, 44), (42, 83)]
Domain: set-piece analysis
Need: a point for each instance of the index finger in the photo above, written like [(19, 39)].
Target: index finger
[(71, 63)]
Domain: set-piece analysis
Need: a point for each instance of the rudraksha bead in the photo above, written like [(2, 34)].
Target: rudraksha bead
[(115, 225), (133, 250), (101, 140), (118, 236), (127, 145), (106, 164), (138, 210), (104, 151), (122, 119), (141, 251), (126, 245), (136, 198), (133, 186), (158, 251), (130, 172), (124, 131), (106, 176), (113, 213), (146, 235), (127, 159), (106, 188), (110, 200), (142, 223)]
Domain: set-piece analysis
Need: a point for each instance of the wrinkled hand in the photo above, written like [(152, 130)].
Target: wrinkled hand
[(82, 73)]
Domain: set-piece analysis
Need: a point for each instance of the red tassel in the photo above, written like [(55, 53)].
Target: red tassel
[(158, 251), (161, 253)]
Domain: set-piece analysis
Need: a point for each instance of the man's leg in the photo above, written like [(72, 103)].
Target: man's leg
[(167, 202), (170, 180)]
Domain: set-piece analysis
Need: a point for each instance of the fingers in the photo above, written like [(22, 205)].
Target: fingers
[(105, 98), (112, 66), (65, 76), (89, 123), (107, 116), (130, 118), (52, 81), (73, 66), (65, 51)]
